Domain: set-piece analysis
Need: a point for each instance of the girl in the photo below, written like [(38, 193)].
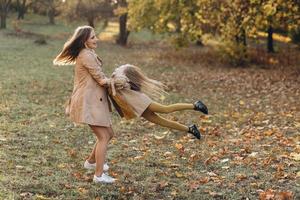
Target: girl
[(89, 102), (131, 99)]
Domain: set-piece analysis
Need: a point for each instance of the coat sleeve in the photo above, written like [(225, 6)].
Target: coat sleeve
[(90, 63)]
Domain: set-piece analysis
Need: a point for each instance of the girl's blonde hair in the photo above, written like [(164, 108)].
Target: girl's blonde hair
[(139, 81), (73, 46)]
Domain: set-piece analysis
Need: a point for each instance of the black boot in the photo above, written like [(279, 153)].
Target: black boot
[(199, 106), (195, 131)]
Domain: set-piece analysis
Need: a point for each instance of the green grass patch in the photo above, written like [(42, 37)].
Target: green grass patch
[(250, 143)]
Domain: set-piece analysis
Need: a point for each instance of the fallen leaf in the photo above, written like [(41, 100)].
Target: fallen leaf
[(274, 195), (267, 195), (72, 153), (161, 186), (157, 137), (178, 146), (211, 160), (268, 132), (194, 185), (224, 160), (240, 177), (168, 153), (67, 186), (295, 156), (82, 190), (253, 154), (286, 195), (26, 194), (41, 197), (77, 175), (211, 174), (179, 175), (204, 180)]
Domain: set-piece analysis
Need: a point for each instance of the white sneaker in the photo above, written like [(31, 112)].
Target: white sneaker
[(88, 165), (104, 178)]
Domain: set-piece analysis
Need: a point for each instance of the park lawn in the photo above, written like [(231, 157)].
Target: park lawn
[(250, 146)]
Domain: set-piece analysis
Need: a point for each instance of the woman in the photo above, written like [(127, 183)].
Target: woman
[(89, 102), (132, 99)]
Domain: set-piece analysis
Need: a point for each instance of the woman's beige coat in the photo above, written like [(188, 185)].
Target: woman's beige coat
[(89, 100)]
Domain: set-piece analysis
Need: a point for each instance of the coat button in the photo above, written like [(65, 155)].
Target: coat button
[(100, 99)]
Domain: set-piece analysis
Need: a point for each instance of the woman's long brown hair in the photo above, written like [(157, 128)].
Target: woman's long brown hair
[(73, 46)]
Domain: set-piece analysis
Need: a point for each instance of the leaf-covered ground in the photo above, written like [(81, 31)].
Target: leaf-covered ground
[(250, 146)]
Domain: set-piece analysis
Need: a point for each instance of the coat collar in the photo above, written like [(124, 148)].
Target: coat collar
[(99, 61)]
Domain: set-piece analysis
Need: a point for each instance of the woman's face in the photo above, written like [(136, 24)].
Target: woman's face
[(92, 41)]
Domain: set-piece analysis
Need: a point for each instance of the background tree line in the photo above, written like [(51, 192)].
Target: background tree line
[(233, 22)]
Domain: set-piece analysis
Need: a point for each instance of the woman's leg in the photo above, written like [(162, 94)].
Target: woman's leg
[(153, 117), (157, 107), (92, 158), (103, 137)]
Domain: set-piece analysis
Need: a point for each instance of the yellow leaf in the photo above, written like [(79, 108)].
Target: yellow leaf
[(206, 121), (269, 132), (41, 197), (167, 154), (178, 174), (61, 166), (295, 156), (82, 190), (178, 146), (242, 102), (174, 193), (298, 174), (159, 137), (162, 97), (236, 115)]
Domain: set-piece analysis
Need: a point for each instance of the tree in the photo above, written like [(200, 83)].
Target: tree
[(277, 14), (53, 8), (21, 8), (122, 12), (4, 8), (91, 10), (179, 19)]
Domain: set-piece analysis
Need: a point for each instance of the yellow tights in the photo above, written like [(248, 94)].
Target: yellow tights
[(150, 114)]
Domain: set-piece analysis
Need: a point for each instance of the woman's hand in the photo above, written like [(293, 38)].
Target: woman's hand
[(121, 82), (106, 82)]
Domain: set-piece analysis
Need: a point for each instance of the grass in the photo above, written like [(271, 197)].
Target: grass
[(250, 145)]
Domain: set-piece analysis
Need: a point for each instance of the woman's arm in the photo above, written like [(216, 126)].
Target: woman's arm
[(90, 63)]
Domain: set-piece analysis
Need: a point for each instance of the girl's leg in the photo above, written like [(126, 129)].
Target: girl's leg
[(157, 107), (103, 136), (153, 117)]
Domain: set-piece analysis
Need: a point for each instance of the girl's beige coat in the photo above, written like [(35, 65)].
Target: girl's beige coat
[(89, 100)]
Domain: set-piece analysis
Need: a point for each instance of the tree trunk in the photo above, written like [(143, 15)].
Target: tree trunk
[(123, 32), (270, 40), (21, 9), (199, 43), (241, 37), (91, 21), (4, 8), (3, 21), (244, 38), (295, 35), (51, 16)]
